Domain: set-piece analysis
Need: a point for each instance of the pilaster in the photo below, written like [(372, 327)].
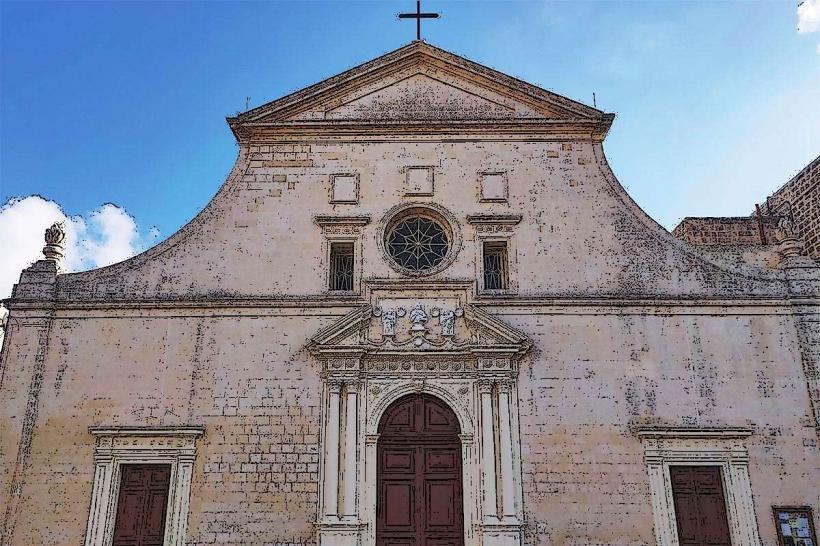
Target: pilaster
[(331, 445), (803, 278), (488, 456)]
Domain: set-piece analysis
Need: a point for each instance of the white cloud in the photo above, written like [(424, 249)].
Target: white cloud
[(102, 237), (808, 16)]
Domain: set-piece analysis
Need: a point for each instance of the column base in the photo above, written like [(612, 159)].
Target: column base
[(340, 533), (501, 534)]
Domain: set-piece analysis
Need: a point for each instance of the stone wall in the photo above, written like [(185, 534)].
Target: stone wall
[(584, 478), (594, 375), (255, 478), (726, 230)]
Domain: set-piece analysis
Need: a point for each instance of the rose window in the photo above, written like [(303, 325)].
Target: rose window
[(417, 243)]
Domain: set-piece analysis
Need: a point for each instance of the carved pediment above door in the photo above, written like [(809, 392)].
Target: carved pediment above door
[(419, 335)]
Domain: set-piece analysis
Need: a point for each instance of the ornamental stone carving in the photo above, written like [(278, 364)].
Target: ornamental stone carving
[(55, 239), (419, 319), (389, 317), (447, 320)]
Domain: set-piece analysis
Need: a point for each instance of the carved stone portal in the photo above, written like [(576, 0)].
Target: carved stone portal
[(469, 361)]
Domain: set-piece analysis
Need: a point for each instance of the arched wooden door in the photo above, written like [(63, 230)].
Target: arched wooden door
[(419, 485)]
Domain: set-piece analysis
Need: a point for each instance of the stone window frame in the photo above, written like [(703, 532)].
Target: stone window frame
[(504, 176), (722, 447), (432, 210), (333, 199), (115, 447), (342, 229), (490, 228)]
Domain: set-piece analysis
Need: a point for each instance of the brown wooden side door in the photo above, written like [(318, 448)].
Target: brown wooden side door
[(700, 506), (141, 505)]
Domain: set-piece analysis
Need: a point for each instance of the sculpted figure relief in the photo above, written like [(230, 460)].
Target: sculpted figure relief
[(389, 318), (447, 320), (785, 228), (419, 318)]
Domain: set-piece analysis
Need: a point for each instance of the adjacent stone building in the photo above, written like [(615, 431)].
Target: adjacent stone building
[(420, 310), (799, 199), (796, 205)]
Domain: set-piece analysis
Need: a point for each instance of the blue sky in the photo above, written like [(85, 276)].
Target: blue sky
[(718, 103)]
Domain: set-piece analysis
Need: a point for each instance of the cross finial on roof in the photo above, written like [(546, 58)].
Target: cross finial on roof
[(418, 16)]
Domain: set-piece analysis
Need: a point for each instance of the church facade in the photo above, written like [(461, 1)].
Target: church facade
[(420, 310)]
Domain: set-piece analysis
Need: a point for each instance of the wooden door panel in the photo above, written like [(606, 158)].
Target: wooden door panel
[(399, 460), (419, 475), (141, 505), (700, 506), (129, 507), (440, 460), (399, 501), (441, 504)]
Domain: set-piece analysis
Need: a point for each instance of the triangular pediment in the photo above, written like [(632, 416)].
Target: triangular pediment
[(418, 83), (467, 330), (420, 96)]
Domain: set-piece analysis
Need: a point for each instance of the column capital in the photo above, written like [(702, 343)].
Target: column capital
[(353, 386), (505, 386), (485, 386), (334, 386)]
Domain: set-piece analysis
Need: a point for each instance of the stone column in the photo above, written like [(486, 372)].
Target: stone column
[(331, 474), (351, 434), (485, 389), (505, 449)]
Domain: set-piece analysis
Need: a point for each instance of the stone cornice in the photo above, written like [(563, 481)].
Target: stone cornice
[(693, 432), (494, 219), (324, 220), (663, 304), (147, 431), (584, 129)]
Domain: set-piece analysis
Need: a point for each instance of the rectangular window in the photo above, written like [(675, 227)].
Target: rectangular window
[(700, 506), (142, 504), (341, 266), (495, 265), (795, 526)]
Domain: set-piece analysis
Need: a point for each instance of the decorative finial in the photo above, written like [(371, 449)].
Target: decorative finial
[(789, 244), (55, 237)]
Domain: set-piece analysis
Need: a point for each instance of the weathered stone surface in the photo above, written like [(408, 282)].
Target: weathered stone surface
[(610, 325)]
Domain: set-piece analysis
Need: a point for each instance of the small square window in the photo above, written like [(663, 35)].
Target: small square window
[(344, 188), (341, 266), (496, 276), (493, 187), (420, 180)]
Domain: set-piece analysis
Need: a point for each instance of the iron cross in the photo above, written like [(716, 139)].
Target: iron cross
[(418, 16)]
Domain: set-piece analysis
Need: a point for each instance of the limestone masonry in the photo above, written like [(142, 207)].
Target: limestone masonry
[(422, 310), (796, 203)]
